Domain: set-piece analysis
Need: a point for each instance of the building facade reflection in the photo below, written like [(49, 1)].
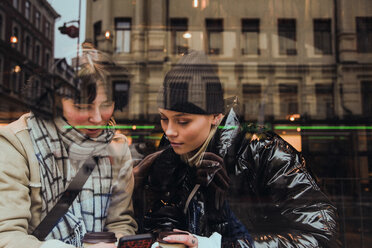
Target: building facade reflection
[(298, 68), (26, 50), (301, 68)]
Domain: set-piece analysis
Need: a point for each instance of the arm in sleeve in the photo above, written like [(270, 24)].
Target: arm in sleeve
[(303, 215), (15, 201), (120, 218)]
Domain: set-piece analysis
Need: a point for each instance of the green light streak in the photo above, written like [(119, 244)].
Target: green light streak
[(324, 127), (227, 127), (138, 127), (152, 137), (146, 137), (321, 137), (134, 127), (134, 136)]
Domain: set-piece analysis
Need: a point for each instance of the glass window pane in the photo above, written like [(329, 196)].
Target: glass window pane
[(123, 35), (301, 69)]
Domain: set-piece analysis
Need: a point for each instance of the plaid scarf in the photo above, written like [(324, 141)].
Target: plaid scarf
[(61, 152)]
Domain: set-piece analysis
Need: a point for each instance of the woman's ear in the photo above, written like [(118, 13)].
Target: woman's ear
[(217, 118)]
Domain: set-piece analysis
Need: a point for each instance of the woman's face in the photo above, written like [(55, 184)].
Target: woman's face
[(185, 132), (98, 113)]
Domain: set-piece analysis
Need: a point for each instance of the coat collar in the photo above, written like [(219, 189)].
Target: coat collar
[(226, 135)]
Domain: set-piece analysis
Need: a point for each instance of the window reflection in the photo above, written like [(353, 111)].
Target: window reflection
[(37, 19), (322, 36), (1, 26), (179, 27), (15, 4), (366, 90), (214, 36), (97, 29), (364, 34), (287, 36), (252, 96), (123, 35), (250, 36), (325, 101), (27, 9)]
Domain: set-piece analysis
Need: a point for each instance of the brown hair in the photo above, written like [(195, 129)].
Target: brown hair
[(92, 72)]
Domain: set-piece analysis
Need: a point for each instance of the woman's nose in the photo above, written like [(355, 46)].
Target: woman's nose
[(170, 130), (95, 116)]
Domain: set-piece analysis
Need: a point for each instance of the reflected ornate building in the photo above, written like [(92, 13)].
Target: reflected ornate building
[(279, 58), (26, 49), (303, 68)]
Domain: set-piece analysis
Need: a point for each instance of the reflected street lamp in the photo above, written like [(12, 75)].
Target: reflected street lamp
[(186, 35), (107, 35), (13, 39), (17, 69)]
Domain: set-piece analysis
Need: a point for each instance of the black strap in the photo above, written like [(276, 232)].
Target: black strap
[(61, 207)]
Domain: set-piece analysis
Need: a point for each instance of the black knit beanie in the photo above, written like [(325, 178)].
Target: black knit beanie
[(192, 86)]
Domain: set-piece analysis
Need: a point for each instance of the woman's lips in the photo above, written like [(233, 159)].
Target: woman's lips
[(93, 131), (174, 144)]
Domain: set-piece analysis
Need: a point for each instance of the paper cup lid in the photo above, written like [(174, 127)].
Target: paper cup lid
[(96, 237)]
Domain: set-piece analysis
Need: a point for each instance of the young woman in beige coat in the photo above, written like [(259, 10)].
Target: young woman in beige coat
[(41, 154)]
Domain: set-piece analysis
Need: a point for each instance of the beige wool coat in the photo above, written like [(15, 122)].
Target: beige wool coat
[(20, 199)]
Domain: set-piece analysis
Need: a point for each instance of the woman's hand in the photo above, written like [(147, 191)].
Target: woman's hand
[(103, 245), (187, 239), (192, 241)]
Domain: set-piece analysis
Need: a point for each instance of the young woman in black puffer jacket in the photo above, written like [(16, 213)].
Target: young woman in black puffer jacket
[(208, 157)]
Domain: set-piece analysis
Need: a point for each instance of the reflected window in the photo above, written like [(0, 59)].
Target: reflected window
[(36, 88), (1, 26), (47, 60), (17, 35), (250, 36), (214, 36), (251, 101), (178, 28), (322, 36), (287, 36), (47, 29), (15, 4), (121, 93), (27, 46), (123, 33), (26, 80), (37, 54), (32, 86), (366, 89), (37, 19), (16, 72), (288, 99), (97, 29), (27, 9), (324, 101), (364, 34), (1, 69)]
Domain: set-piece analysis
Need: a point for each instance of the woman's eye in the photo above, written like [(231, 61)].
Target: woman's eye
[(106, 105), (183, 122), (81, 107)]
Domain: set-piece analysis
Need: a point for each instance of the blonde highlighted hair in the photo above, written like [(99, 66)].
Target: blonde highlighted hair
[(195, 159)]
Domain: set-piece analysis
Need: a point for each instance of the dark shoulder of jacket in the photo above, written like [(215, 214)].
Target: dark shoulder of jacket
[(256, 138), (272, 142)]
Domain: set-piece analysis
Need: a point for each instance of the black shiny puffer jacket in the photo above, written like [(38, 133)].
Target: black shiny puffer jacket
[(280, 203)]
